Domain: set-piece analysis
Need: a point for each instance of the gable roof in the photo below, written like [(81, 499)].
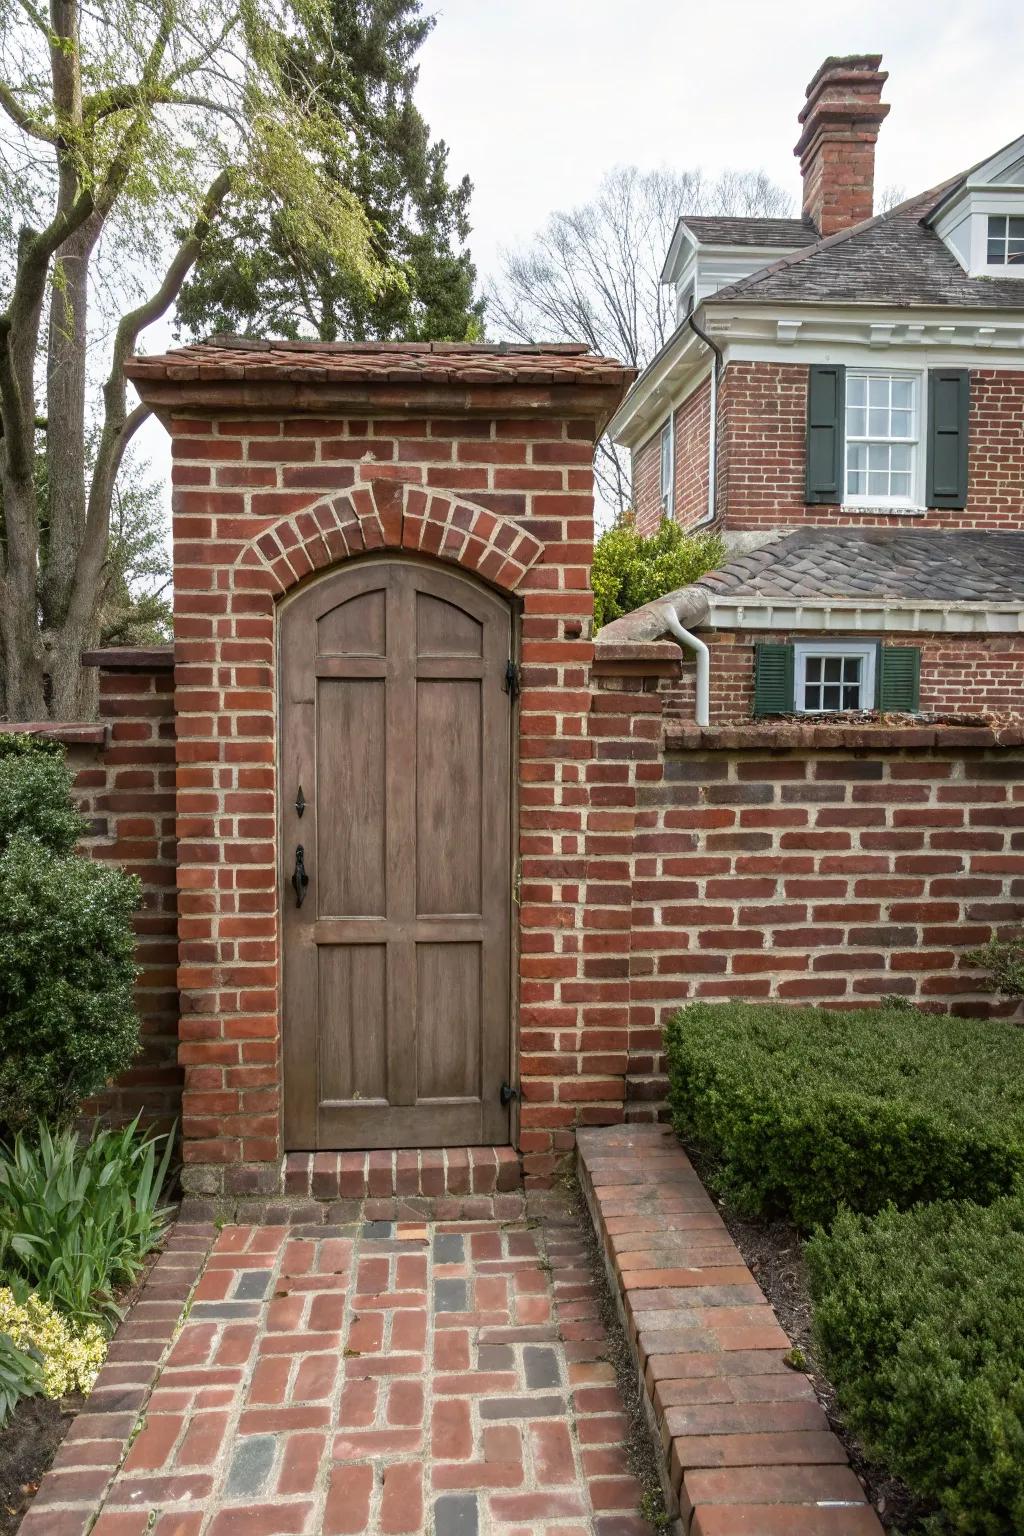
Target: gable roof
[(897, 564), (894, 258), (773, 234)]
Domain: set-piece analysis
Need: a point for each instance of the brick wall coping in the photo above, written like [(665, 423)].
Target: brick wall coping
[(746, 1444), (71, 733), (782, 737), (131, 658)]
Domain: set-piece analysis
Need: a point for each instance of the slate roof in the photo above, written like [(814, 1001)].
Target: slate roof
[(238, 358), (781, 233), (892, 259), (873, 563)]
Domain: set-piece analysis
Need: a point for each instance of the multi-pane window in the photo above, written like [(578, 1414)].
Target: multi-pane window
[(1005, 240), (831, 678), (666, 467), (882, 435)]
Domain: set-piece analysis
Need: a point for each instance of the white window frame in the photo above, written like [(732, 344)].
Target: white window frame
[(917, 442), (666, 467), (1017, 217), (867, 650)]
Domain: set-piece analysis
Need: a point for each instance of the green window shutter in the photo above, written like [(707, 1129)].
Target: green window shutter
[(899, 677), (826, 406), (773, 679), (949, 401)]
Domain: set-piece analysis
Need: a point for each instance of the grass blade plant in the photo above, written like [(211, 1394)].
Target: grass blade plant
[(77, 1217), (21, 1375)]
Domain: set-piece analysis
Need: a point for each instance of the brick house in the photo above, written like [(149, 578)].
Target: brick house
[(843, 398)]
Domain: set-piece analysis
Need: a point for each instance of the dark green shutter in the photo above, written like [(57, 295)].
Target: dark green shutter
[(899, 677), (949, 401), (773, 679), (826, 404)]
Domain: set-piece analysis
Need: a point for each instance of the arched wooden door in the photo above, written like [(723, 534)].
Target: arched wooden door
[(395, 782)]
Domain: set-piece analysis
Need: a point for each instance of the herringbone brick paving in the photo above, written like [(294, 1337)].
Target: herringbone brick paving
[(384, 1377)]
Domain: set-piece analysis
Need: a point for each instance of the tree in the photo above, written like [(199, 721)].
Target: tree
[(127, 132), (630, 569), (251, 277), (593, 273)]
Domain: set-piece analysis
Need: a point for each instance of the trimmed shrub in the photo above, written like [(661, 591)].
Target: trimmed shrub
[(77, 1218), (919, 1321), (67, 949), (1004, 961), (630, 570), (802, 1110)]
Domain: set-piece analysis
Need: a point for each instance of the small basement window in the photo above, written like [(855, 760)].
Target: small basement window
[(1005, 240), (835, 676)]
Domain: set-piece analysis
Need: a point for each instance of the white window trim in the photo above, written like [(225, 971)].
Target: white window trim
[(667, 493), (1000, 268), (915, 501), (802, 649)]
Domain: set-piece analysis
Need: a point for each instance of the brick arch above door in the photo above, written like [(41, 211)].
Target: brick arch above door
[(382, 515)]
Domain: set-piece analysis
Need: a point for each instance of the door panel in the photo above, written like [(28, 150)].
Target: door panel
[(395, 725)]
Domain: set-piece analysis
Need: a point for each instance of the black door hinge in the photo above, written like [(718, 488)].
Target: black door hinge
[(508, 1093), (511, 683)]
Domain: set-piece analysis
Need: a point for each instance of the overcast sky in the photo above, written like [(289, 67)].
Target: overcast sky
[(538, 98)]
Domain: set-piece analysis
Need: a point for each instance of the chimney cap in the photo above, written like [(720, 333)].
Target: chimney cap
[(840, 67)]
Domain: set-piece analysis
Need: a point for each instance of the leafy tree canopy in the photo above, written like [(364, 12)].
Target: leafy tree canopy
[(252, 276), (630, 570)]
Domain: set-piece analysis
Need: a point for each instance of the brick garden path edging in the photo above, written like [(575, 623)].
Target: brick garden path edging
[(747, 1447), (375, 1377)]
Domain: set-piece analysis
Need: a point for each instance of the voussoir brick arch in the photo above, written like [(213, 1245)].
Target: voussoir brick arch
[(382, 515)]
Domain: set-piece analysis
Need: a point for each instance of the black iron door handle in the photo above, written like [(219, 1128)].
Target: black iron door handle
[(300, 879)]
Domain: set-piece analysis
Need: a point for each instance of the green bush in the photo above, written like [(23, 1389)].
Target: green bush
[(77, 1217), (21, 1375), (802, 1110), (67, 949), (630, 570), (1004, 961), (919, 1321)]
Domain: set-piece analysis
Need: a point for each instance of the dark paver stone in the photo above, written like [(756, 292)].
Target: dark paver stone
[(378, 1229), (521, 1407), (449, 1248), (499, 1357), (455, 1514), (252, 1285), (450, 1296), (542, 1369), (225, 1309), (251, 1465)]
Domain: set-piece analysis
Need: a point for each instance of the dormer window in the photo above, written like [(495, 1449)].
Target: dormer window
[(1005, 240)]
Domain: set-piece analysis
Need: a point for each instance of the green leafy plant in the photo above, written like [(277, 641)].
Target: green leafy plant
[(77, 1217), (69, 1357), (67, 949), (1004, 961), (919, 1323), (630, 569), (21, 1375), (802, 1110)]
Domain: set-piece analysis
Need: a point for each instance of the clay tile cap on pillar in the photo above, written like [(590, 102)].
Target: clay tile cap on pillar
[(841, 118)]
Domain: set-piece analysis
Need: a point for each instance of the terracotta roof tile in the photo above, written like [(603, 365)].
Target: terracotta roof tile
[(239, 358)]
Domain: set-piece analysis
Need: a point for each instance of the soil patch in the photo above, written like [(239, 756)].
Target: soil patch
[(28, 1444), (773, 1252)]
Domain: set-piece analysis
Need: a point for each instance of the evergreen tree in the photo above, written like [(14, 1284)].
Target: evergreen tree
[(252, 277)]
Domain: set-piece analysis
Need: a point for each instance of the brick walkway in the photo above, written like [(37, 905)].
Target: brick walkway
[(380, 1378)]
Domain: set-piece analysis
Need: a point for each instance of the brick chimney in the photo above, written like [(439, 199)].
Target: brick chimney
[(841, 119)]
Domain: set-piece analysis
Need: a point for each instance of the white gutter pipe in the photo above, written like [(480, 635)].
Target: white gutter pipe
[(687, 638)]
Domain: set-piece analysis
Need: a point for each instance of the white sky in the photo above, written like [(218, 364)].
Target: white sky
[(538, 98)]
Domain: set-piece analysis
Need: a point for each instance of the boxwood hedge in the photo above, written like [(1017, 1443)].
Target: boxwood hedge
[(919, 1321), (802, 1110)]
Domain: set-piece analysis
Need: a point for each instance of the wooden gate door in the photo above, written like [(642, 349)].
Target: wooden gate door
[(395, 784)]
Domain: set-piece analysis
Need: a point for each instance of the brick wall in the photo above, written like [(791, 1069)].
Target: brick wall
[(762, 427), (124, 783), (692, 434), (960, 674), (809, 864)]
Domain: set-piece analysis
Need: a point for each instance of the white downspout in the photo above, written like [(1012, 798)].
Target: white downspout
[(686, 637)]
